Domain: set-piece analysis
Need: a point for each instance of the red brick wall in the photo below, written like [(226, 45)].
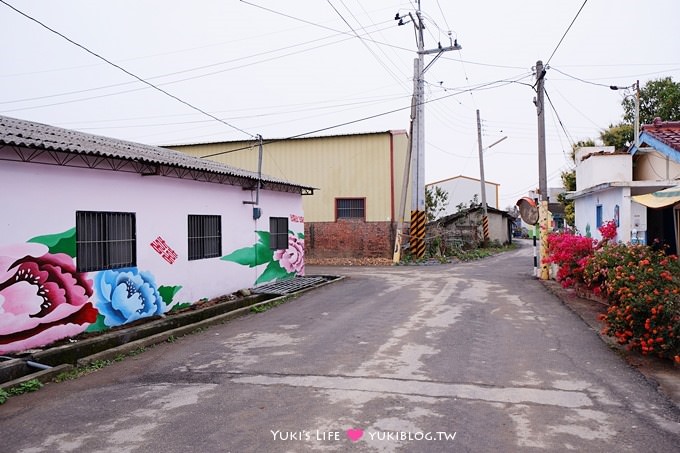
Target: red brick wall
[(349, 239)]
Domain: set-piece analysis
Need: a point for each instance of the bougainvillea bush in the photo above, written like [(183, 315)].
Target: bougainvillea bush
[(640, 283), (642, 286), (569, 252)]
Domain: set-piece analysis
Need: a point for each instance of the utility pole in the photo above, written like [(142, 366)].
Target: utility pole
[(540, 110), (485, 219), (543, 213), (417, 228)]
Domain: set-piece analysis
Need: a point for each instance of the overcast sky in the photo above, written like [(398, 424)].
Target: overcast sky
[(285, 68)]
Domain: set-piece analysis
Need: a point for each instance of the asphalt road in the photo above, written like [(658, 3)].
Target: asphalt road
[(464, 357)]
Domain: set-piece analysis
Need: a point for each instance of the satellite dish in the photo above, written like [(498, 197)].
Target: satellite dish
[(528, 210)]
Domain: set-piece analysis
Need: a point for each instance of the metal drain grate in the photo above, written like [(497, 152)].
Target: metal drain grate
[(289, 286)]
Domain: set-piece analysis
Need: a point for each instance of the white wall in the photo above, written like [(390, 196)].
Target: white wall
[(586, 210), (602, 168), (462, 190)]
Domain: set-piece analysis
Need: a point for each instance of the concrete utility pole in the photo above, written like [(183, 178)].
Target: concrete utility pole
[(543, 213), (540, 110), (485, 219), (417, 228)]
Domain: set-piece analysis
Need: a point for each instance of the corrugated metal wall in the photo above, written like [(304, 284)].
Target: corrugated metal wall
[(366, 166)]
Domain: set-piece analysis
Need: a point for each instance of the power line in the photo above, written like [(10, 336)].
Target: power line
[(558, 117), (486, 86), (579, 79), (125, 70), (397, 79), (185, 71), (565, 33)]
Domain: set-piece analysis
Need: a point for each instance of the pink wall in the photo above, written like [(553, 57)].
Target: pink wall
[(40, 200)]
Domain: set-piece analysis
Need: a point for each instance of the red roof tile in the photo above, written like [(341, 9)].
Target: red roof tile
[(667, 132)]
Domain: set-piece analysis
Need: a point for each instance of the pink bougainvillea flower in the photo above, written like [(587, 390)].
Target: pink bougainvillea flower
[(42, 297), (293, 258)]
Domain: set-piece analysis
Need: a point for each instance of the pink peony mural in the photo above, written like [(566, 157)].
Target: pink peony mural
[(293, 258), (42, 297)]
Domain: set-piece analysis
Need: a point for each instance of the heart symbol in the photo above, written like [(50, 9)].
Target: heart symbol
[(355, 434)]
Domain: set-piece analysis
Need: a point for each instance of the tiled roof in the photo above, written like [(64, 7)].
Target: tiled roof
[(667, 132), (29, 134)]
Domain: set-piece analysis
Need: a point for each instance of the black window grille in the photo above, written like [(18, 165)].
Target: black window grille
[(278, 233), (205, 236), (350, 208), (105, 240)]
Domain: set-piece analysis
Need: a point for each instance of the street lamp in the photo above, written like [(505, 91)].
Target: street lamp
[(636, 124)]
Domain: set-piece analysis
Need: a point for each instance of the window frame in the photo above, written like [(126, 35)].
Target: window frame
[(278, 233), (105, 240), (361, 210), (204, 241)]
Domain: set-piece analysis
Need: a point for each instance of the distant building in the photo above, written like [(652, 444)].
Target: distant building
[(359, 178), (465, 226), (463, 189)]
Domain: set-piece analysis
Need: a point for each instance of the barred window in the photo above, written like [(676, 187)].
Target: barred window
[(278, 233), (205, 236), (350, 208), (105, 240)]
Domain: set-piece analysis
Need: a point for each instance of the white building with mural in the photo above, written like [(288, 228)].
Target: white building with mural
[(97, 232)]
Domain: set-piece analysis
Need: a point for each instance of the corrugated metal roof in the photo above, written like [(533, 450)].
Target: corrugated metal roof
[(305, 137), (29, 134)]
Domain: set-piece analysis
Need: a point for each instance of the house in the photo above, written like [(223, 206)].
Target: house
[(607, 183), (359, 176), (98, 232), (465, 227), (462, 190)]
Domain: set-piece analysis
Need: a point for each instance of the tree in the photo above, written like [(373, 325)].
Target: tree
[(435, 202), (658, 98), (620, 136), (569, 183)]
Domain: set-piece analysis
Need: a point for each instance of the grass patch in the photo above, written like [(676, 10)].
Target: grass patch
[(24, 387)]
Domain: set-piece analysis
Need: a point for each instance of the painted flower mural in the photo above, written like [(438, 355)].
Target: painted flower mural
[(293, 258), (281, 264), (42, 297), (126, 295)]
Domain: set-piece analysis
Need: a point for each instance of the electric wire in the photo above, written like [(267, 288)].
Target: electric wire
[(183, 71), (486, 86), (125, 70), (565, 33), (377, 58)]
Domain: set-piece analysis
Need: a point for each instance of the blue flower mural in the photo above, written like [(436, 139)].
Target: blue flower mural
[(126, 295)]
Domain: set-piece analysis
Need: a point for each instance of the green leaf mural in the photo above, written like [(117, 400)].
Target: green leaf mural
[(168, 293), (260, 254), (256, 254), (97, 326), (59, 243), (274, 271)]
